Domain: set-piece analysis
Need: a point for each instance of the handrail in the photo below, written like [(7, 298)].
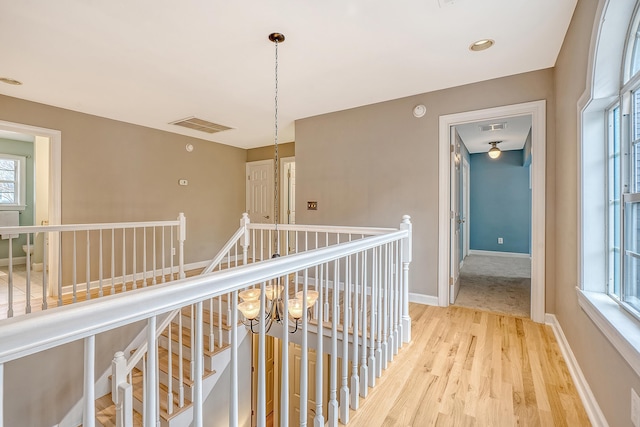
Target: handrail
[(343, 229), (224, 251), (22, 336), (24, 229)]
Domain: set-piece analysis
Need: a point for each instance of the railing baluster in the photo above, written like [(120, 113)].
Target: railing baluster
[(28, 271), (100, 267), (59, 269), (318, 420), (170, 369), (73, 279), (199, 368), (304, 368), (2, 393), (233, 407), (180, 362), (344, 390), (332, 416), (372, 317), (379, 312), (124, 260), (150, 399), (172, 253), (10, 296), (163, 258), (89, 398), (191, 342), (390, 303), (355, 380), (220, 321), (364, 374), (134, 253), (384, 255), (397, 325), (144, 257), (262, 386), (153, 275), (113, 261), (182, 236), (45, 270), (284, 400), (87, 272), (211, 343)]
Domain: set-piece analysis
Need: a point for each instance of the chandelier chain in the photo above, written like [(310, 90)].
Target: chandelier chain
[(276, 160)]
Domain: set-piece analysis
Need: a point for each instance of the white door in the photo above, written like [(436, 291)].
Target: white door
[(454, 282), (260, 191)]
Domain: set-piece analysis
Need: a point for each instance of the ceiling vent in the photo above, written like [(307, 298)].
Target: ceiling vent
[(201, 125), (494, 126)]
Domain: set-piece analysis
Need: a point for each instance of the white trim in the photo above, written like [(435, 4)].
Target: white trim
[(497, 253), (17, 260), (537, 111), (55, 186), (620, 328), (582, 386), (423, 299)]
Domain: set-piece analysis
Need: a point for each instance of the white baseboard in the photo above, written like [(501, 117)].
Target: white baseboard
[(582, 386), (16, 260), (497, 253), (423, 299)]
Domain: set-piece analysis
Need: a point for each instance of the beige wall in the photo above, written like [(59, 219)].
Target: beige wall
[(609, 376), (370, 165), (267, 152), (114, 171)]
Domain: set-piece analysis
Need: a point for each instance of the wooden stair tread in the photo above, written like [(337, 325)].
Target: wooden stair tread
[(106, 412), (163, 365), (186, 339), (137, 379)]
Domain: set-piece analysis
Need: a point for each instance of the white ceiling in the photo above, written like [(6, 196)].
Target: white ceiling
[(151, 62), (512, 137)]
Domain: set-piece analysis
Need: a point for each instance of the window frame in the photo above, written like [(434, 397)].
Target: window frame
[(20, 193)]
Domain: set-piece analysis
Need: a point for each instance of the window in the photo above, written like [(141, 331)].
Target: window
[(12, 182), (623, 184)]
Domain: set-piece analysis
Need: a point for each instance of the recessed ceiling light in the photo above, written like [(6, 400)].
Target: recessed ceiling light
[(481, 45), (10, 81)]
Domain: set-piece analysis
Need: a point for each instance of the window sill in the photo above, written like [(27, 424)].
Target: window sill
[(620, 328), (13, 208)]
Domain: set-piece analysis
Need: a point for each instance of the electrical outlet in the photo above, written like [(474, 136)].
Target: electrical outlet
[(500, 240), (635, 408)]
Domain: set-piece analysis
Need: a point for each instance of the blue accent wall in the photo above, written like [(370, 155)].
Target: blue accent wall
[(500, 204)]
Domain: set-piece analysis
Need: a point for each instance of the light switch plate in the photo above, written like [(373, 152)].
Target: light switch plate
[(183, 182), (312, 206)]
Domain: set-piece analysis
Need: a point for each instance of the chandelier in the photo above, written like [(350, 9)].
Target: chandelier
[(250, 305)]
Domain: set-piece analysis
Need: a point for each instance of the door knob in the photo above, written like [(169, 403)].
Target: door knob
[(266, 217)]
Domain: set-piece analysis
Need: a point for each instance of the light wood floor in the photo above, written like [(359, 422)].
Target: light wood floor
[(472, 368)]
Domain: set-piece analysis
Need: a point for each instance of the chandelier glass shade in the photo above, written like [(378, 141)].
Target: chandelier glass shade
[(274, 310)]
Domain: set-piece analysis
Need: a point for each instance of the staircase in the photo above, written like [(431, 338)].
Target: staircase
[(175, 368)]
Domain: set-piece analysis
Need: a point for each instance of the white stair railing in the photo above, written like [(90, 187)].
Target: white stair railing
[(356, 278), (87, 265)]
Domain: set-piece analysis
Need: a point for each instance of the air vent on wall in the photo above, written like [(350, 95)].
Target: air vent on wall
[(494, 126), (201, 125)]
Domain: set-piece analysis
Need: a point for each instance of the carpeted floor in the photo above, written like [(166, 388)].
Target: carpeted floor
[(496, 283)]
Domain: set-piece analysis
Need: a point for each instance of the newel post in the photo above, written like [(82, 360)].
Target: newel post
[(182, 236), (406, 259), (121, 391), (246, 239)]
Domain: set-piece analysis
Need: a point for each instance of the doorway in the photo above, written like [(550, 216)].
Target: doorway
[(47, 178), (448, 218), (495, 273)]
